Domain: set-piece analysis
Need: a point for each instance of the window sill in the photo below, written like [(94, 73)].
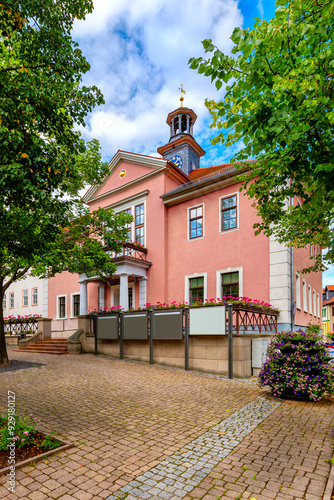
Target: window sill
[(197, 238), (229, 230)]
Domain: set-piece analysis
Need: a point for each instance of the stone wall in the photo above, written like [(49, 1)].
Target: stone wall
[(206, 353), (63, 328)]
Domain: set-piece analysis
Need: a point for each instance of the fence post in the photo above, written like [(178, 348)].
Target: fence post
[(95, 333), (186, 339), (230, 340), (121, 329), (151, 335)]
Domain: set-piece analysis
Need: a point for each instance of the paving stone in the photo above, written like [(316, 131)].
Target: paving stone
[(158, 426)]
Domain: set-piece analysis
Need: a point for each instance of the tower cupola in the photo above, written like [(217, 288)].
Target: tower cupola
[(181, 122), (182, 149)]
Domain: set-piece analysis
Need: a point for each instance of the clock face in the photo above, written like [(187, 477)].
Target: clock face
[(177, 160)]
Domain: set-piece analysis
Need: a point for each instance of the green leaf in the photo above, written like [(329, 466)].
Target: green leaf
[(279, 100)]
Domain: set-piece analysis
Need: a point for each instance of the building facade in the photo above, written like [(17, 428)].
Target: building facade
[(25, 297), (193, 238), (328, 309)]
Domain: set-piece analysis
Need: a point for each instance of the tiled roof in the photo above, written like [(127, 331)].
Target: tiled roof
[(210, 171), (201, 172), (330, 288), (328, 302)]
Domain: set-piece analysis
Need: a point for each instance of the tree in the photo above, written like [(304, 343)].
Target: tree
[(44, 226), (279, 105)]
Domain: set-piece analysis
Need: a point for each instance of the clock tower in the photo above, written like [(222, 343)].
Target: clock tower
[(182, 149)]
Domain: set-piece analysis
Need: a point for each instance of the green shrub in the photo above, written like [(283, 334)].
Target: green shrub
[(22, 431), (19, 429)]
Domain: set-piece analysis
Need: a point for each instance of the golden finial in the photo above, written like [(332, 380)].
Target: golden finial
[(182, 92)]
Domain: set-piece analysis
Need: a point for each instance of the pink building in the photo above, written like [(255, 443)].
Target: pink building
[(197, 228)]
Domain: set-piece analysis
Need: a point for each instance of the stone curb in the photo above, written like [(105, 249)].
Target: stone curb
[(65, 446), (330, 485)]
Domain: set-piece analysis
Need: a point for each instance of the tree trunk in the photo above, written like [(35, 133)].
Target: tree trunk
[(3, 348)]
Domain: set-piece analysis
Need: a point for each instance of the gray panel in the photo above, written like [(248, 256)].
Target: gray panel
[(168, 324), (107, 327), (135, 326)]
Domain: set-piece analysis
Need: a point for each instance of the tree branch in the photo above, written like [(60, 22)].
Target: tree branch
[(15, 68), (17, 275)]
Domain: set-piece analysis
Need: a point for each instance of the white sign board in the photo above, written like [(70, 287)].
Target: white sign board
[(207, 321)]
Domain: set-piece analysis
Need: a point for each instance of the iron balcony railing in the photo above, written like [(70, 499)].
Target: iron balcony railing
[(130, 250)]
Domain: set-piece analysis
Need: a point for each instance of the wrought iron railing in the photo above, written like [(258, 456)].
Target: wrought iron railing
[(247, 319), (130, 250), (21, 327)]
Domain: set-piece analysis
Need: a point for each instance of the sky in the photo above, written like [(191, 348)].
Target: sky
[(139, 52)]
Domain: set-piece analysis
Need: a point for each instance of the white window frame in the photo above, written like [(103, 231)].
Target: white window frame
[(113, 289), (34, 295), (58, 305), (188, 222), (25, 297), (304, 296), (318, 305), (298, 297), (227, 271), (187, 279), (101, 297), (127, 205), (314, 303), (11, 300), (220, 213), (4, 302), (310, 299), (133, 287), (72, 304)]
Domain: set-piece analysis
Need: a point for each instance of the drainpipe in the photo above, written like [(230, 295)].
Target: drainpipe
[(292, 283), (292, 291)]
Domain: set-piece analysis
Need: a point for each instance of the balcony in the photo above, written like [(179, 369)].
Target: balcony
[(131, 254)]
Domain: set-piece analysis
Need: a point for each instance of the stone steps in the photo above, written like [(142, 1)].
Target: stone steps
[(49, 346)]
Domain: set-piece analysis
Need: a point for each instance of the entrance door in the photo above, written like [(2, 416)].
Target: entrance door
[(114, 296)]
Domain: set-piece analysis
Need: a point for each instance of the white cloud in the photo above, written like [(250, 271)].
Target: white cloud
[(260, 8), (138, 51)]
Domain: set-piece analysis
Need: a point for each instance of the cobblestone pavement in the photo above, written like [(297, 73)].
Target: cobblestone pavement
[(133, 424)]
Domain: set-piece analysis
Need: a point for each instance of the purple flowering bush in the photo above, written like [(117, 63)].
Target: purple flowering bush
[(298, 365)]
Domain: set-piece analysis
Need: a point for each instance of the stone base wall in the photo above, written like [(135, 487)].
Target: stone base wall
[(12, 340), (63, 328), (206, 353)]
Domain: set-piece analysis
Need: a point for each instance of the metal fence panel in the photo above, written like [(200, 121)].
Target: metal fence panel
[(107, 327), (168, 325), (135, 326)]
